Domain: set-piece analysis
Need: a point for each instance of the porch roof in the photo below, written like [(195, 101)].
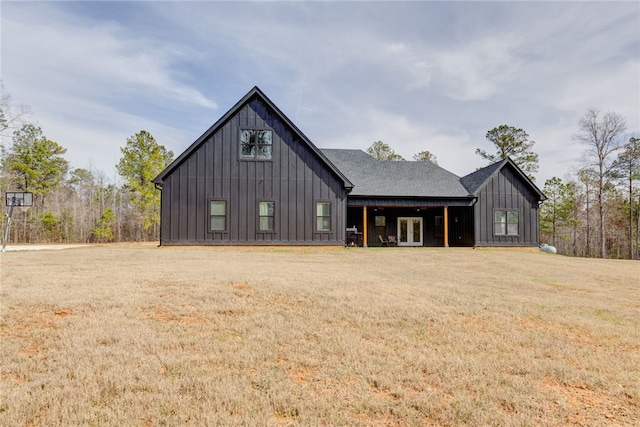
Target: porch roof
[(383, 178)]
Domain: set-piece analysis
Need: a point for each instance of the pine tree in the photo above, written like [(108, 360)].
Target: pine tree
[(142, 160), (513, 143)]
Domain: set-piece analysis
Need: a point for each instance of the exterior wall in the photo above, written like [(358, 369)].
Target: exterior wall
[(460, 226), (506, 191), (295, 179)]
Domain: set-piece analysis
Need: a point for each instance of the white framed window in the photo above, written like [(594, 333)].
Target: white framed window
[(217, 215), (323, 216), (266, 216), (506, 222), (256, 144)]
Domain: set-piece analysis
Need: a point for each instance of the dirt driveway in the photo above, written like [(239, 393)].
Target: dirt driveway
[(52, 247)]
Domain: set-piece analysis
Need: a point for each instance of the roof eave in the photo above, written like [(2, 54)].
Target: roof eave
[(387, 196)]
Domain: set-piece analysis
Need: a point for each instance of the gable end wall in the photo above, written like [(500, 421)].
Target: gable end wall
[(506, 190), (295, 178)]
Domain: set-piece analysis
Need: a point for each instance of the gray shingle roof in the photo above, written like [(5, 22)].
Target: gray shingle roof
[(372, 177), (474, 180)]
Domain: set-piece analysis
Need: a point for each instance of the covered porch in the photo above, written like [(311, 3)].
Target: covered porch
[(410, 222)]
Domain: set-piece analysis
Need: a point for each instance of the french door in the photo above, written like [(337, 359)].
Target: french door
[(410, 232)]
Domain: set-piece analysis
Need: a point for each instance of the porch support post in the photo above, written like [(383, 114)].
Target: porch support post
[(446, 227), (364, 227)]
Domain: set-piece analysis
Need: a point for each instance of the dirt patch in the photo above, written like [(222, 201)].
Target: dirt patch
[(191, 319), (302, 374), (587, 405), (63, 313), (29, 351)]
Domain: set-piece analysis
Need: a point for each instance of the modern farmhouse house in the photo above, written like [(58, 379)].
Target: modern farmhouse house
[(253, 178)]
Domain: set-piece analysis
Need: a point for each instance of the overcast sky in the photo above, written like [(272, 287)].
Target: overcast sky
[(417, 75)]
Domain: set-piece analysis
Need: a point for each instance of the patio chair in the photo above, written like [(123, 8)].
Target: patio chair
[(391, 241)]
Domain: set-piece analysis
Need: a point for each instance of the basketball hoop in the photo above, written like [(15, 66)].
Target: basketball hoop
[(15, 198), (19, 199)]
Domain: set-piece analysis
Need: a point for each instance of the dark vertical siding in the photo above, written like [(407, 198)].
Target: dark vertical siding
[(295, 178), (506, 190), (460, 226)]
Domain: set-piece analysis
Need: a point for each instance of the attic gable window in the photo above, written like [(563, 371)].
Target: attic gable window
[(256, 144)]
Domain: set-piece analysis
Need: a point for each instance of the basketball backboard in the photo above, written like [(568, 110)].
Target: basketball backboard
[(15, 198)]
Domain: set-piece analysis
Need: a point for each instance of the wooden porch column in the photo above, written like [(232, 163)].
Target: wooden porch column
[(446, 227), (364, 226)]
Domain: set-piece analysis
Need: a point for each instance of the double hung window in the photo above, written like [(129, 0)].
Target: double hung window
[(505, 223), (266, 212), (323, 216), (218, 215)]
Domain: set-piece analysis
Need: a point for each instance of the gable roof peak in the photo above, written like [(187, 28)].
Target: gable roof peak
[(474, 181), (255, 91)]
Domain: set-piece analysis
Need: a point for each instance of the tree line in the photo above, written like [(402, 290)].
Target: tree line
[(76, 204), (595, 210)]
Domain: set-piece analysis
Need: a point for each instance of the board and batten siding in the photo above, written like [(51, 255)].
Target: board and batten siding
[(506, 191), (295, 179)]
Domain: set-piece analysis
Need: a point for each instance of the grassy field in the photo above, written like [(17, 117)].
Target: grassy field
[(135, 335)]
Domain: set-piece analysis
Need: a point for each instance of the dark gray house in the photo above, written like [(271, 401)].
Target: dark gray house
[(254, 178)]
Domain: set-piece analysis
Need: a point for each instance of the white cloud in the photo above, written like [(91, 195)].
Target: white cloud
[(95, 134), (557, 149), (417, 70), (93, 84), (616, 89), (86, 57), (478, 70)]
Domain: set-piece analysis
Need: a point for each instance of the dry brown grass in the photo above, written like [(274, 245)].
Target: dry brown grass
[(131, 335)]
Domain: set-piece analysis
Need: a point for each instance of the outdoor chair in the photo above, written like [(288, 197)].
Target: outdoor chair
[(390, 241)]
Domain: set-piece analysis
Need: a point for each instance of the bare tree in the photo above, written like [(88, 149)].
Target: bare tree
[(601, 134), (628, 166), (11, 117), (558, 210), (586, 177)]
